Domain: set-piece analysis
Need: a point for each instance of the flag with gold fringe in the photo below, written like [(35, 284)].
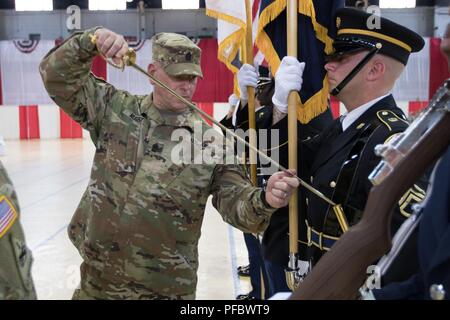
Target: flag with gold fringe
[(231, 24), (316, 29)]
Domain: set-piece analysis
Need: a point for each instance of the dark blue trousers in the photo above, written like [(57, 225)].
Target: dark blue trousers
[(276, 278), (256, 266)]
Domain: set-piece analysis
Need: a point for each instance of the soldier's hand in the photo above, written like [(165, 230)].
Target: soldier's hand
[(280, 187), (247, 77), (111, 44), (233, 100), (289, 77)]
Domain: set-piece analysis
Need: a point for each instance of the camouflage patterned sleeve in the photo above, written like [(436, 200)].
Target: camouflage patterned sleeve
[(65, 71), (15, 258), (238, 201)]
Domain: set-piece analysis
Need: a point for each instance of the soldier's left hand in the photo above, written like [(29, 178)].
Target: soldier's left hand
[(280, 187)]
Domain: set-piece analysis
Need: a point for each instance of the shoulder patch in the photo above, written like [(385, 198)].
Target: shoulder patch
[(391, 120), (8, 215)]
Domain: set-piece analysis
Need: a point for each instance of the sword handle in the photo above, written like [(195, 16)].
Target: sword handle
[(127, 60)]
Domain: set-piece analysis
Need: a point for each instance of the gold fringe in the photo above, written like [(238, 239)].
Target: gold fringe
[(318, 103), (307, 9), (315, 105), (262, 39), (225, 17), (236, 90), (232, 41)]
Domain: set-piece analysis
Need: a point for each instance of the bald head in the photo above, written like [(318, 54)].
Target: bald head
[(380, 73), (393, 70)]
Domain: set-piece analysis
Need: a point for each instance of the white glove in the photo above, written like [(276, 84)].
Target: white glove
[(289, 78), (233, 100), (247, 77)]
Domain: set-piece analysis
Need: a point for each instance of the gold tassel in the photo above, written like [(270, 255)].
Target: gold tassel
[(262, 39), (306, 8), (230, 42), (315, 105), (225, 17)]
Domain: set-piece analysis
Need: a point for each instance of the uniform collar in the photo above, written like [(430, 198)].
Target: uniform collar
[(340, 141), (350, 117), (187, 118)]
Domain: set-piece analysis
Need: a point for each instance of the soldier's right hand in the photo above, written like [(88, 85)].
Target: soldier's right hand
[(111, 44), (247, 77), (233, 100), (289, 77)]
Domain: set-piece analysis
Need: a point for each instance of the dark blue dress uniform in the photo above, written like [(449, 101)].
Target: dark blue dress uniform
[(339, 162), (275, 241), (433, 279)]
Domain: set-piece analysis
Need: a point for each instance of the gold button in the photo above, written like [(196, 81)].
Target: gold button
[(307, 201), (384, 113), (360, 125), (437, 292), (312, 179), (332, 184)]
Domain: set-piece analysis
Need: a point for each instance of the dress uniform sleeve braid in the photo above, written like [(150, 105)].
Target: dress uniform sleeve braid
[(415, 194), (65, 71), (238, 201)]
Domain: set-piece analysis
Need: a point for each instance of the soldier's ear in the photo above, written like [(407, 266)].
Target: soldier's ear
[(151, 69), (377, 70)]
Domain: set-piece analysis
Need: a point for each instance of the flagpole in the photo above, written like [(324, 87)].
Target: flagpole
[(252, 114), (292, 25), (250, 91)]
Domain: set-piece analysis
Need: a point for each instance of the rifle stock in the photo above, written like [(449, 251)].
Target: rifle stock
[(341, 271)]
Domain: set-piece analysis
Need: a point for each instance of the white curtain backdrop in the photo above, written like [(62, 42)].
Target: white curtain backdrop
[(130, 79), (21, 81), (414, 82), (9, 122), (49, 123)]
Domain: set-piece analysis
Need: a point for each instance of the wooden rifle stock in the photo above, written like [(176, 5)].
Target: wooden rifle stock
[(341, 271)]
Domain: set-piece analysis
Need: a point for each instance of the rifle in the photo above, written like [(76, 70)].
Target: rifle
[(341, 271)]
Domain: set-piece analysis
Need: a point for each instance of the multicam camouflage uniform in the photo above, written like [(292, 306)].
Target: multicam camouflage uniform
[(15, 258), (138, 224)]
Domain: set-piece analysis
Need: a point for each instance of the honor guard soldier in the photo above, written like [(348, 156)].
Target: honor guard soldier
[(361, 72), (432, 280), (273, 119)]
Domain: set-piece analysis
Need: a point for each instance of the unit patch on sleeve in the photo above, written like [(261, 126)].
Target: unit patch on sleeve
[(8, 215)]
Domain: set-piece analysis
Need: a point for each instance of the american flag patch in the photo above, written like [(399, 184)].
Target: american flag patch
[(7, 215)]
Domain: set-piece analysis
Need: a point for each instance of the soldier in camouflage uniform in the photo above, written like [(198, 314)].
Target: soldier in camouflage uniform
[(15, 258), (138, 224)]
